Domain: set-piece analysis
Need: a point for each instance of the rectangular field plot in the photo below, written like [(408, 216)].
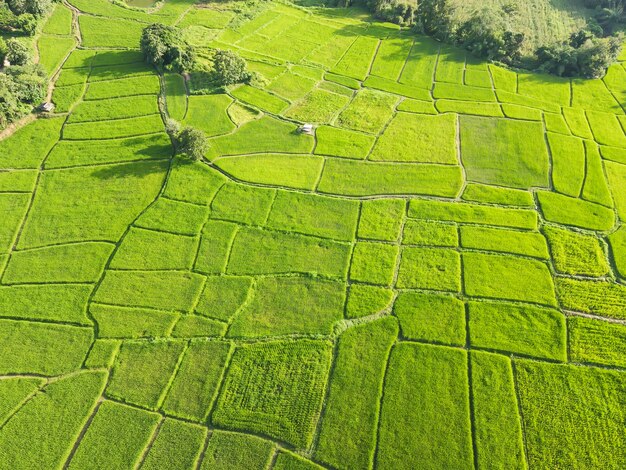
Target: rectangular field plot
[(82, 153), (356, 62), (606, 129), (191, 182), (425, 386), (585, 424), (568, 163), (355, 178), (123, 192), (230, 450), (300, 367), (348, 430), (208, 113), (526, 330), (263, 135), (242, 204), (314, 215), (53, 419), (115, 108), (13, 208), (473, 214), (132, 429), (166, 290), (431, 317), (149, 249), (272, 311), (105, 32), (115, 129), (391, 86), (64, 97), (283, 170), (82, 262), (369, 111), (596, 188), (430, 268), (132, 323), (260, 99), (148, 85), (497, 195), (318, 106), (177, 445), (617, 242), (102, 353), (507, 277), (419, 69), (52, 302), (575, 212), (391, 56), (215, 245), (605, 299), (418, 138), (174, 217), (430, 233), (342, 143), (282, 253), (381, 219), (373, 263), (223, 296), (502, 240), (142, 372), (291, 86), (498, 430), (40, 348), (196, 383), (594, 341), (575, 253), (504, 152)]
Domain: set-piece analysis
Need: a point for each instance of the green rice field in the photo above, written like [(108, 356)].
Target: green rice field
[(436, 279)]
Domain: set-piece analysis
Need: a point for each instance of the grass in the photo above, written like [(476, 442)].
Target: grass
[(594, 341), (359, 371), (227, 450), (503, 240), (373, 263), (605, 299), (409, 439), (318, 106), (118, 108), (497, 195), (115, 129), (430, 233), (575, 212), (368, 111), (142, 85), (242, 204), (568, 164), (208, 113), (132, 323), (39, 138), (364, 300), (260, 99)]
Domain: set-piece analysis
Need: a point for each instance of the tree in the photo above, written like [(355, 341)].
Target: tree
[(165, 47), (193, 142), (17, 53), (33, 7), (229, 68)]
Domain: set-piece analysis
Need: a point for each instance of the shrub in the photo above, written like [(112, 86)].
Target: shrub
[(485, 36), (165, 47), (192, 142), (32, 7), (229, 68)]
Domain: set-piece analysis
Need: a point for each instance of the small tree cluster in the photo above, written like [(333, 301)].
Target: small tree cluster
[(584, 55), (164, 47), (187, 140), (21, 87), (229, 68), (23, 15)]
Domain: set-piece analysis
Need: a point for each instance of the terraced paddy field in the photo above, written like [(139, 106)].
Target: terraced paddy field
[(435, 280)]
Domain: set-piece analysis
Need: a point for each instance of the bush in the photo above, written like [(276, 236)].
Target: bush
[(165, 47), (33, 7), (20, 89), (484, 36), (17, 53), (229, 68)]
